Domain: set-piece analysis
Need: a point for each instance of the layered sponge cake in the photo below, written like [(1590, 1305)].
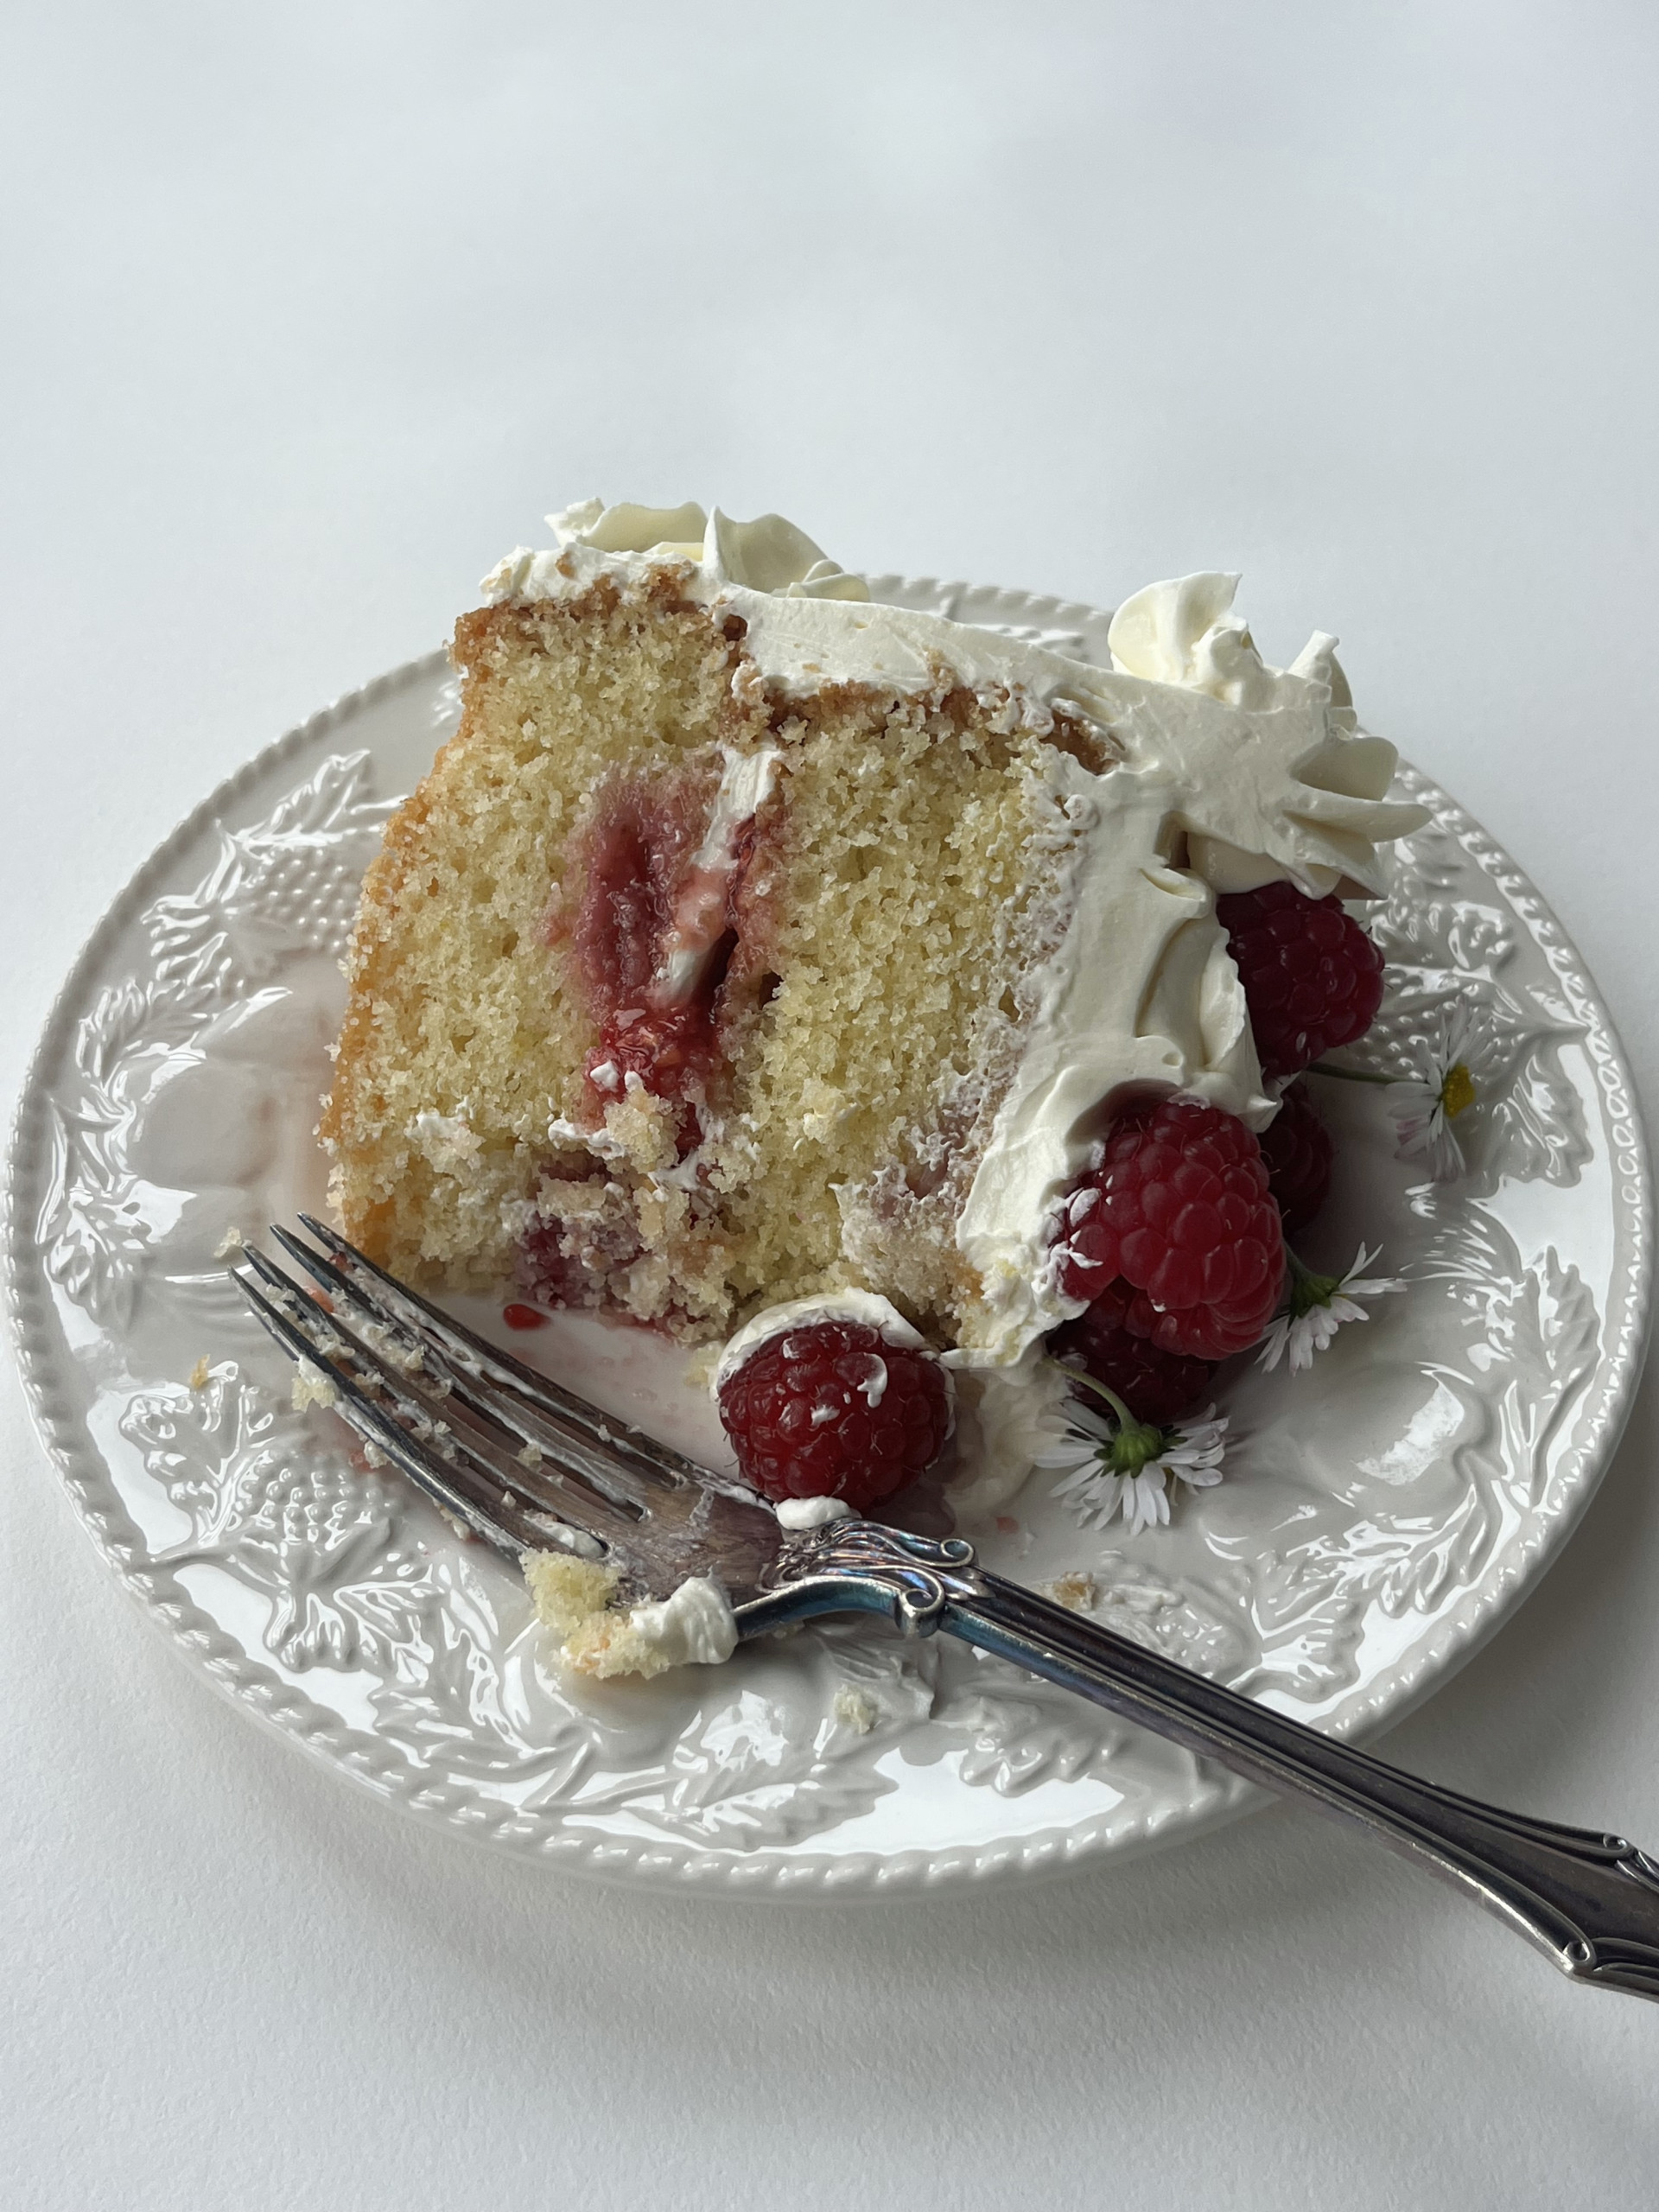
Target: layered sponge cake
[(752, 940)]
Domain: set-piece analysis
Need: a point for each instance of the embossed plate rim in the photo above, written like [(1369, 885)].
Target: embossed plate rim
[(1484, 1607)]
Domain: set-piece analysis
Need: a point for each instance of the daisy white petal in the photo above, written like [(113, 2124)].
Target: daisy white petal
[(1130, 1467), (1075, 1452), (1455, 1070), (1319, 1306), (1146, 1504), (1276, 1342)]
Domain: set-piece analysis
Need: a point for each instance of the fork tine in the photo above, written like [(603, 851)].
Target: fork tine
[(473, 1355), (625, 1485), (559, 1482), (503, 1525), (448, 1418)]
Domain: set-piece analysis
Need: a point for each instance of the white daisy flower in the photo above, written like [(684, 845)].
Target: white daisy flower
[(1319, 1307), (1423, 1107), (1117, 1465)]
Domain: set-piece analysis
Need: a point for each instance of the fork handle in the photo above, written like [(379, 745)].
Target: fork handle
[(1589, 1901)]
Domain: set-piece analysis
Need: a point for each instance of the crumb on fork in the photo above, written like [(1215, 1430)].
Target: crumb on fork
[(311, 1387), (567, 1591), (576, 1599)]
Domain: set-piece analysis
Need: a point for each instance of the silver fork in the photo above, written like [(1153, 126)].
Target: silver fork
[(526, 1465)]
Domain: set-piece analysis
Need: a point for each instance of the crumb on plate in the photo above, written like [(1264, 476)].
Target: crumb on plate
[(1076, 1590), (856, 1708)]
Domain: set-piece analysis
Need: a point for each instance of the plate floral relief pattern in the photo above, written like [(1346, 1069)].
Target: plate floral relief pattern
[(1380, 1514)]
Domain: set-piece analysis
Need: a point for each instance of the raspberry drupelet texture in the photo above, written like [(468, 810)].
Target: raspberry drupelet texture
[(1298, 1153), (1313, 979), (834, 1410), (1156, 1386), (1179, 1210)]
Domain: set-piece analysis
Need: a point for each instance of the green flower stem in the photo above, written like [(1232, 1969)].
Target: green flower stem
[(1125, 1418), (1348, 1075), (1135, 1442)]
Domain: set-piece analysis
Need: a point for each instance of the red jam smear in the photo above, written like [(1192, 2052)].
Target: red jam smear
[(655, 938), (523, 1316)]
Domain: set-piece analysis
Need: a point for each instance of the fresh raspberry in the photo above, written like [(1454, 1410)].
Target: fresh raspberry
[(1297, 1148), (1313, 979), (833, 1410), (1156, 1386), (1179, 1210)]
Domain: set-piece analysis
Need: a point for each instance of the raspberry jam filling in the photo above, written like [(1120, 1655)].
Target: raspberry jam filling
[(666, 928), (660, 919), (567, 1256)]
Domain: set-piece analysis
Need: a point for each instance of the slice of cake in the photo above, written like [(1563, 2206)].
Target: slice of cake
[(752, 940)]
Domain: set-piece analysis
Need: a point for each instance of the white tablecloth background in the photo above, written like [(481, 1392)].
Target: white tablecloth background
[(310, 313)]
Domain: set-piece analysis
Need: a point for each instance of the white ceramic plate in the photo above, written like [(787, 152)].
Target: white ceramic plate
[(1382, 1513)]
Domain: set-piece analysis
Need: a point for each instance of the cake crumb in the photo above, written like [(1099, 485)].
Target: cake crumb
[(231, 1242), (567, 1591), (857, 1708), (529, 1456), (1077, 1591), (576, 1599), (700, 1368), (609, 1643), (311, 1387), (200, 1373)]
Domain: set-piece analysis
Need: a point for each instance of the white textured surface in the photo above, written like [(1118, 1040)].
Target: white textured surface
[(1380, 1515), (308, 320)]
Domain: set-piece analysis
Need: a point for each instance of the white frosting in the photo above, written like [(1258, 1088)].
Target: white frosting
[(1140, 991), (746, 784), (694, 1628), (699, 917), (859, 1306), (1261, 772), (808, 623), (1271, 780), (799, 1513)]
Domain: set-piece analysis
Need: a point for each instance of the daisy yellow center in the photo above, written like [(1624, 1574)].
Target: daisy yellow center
[(1458, 1090)]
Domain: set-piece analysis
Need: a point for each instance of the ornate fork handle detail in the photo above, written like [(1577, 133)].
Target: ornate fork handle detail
[(1590, 1902)]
